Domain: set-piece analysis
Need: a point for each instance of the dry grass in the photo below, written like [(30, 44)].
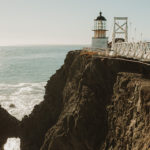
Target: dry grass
[(88, 53)]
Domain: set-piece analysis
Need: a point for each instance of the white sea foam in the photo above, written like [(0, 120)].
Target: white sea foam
[(20, 99), (12, 144)]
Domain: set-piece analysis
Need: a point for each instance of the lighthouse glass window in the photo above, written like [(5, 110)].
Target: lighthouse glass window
[(100, 25)]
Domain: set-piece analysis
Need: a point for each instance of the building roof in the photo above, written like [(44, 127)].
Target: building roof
[(100, 17)]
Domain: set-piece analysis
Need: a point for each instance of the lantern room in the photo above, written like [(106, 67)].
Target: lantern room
[(100, 26), (100, 40)]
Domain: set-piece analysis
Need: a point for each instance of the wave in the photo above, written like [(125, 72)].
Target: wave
[(20, 99)]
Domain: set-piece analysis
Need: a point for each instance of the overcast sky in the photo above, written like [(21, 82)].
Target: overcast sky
[(25, 22)]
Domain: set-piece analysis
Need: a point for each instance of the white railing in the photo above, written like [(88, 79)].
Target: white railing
[(134, 50), (140, 50)]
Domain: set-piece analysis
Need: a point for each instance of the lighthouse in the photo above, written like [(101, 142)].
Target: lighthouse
[(100, 40)]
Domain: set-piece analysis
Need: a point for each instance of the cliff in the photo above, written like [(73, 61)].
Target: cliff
[(92, 103)]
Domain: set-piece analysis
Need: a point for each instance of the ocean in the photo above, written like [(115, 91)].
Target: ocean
[(24, 71)]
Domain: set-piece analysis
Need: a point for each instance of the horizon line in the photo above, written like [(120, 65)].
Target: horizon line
[(43, 45)]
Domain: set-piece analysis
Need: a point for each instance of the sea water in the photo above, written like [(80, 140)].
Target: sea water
[(24, 71)]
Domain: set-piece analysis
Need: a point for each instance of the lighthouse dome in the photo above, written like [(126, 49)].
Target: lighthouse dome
[(100, 17)]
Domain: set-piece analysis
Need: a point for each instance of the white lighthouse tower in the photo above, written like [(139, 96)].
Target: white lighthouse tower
[(100, 40)]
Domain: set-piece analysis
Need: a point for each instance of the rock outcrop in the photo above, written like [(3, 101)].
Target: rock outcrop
[(92, 103), (128, 114), (9, 127)]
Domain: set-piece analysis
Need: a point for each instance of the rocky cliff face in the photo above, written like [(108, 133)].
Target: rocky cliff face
[(128, 114), (92, 103), (9, 127)]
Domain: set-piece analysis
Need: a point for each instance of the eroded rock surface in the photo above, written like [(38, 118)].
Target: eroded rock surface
[(128, 114)]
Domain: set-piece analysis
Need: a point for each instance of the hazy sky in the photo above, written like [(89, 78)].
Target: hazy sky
[(66, 21)]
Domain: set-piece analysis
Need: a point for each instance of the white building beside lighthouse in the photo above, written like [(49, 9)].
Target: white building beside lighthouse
[(100, 40)]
